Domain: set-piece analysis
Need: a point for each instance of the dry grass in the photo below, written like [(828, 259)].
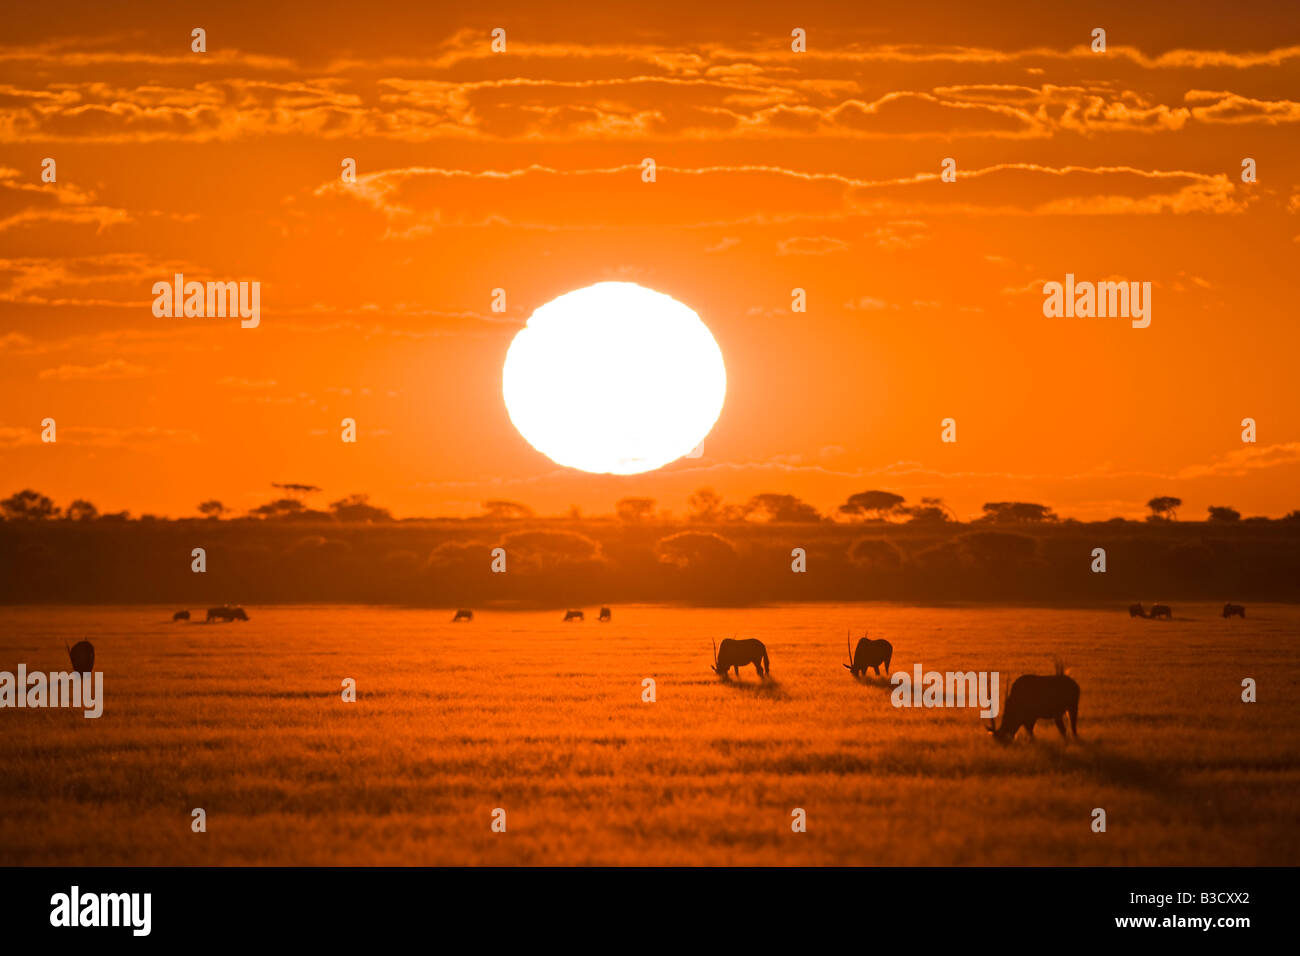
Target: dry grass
[(546, 720)]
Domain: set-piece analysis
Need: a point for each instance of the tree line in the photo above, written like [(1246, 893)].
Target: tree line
[(703, 506)]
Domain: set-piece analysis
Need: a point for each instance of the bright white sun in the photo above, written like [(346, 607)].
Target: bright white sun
[(614, 378)]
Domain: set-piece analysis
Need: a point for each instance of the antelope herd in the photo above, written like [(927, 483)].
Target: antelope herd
[(1032, 697)]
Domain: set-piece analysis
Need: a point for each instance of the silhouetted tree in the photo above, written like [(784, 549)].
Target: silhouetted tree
[(1224, 513), (878, 504), (359, 508), (704, 504), (929, 511), (770, 506), (876, 554), (545, 550), (81, 510), (280, 508), (1164, 508), (634, 510), (696, 550), (1016, 512), (500, 510), (28, 505), (212, 509)]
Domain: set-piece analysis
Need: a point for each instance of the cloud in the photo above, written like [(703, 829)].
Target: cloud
[(114, 370), (810, 246), (1245, 460)]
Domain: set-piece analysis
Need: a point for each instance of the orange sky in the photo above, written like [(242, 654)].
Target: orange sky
[(776, 170)]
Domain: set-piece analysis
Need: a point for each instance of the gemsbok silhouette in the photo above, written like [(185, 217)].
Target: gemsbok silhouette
[(1162, 610), (733, 655), (82, 655), (1136, 610), (464, 614), (605, 615), (868, 653), (226, 612), (181, 616), (1234, 610), (1035, 697), (574, 616)]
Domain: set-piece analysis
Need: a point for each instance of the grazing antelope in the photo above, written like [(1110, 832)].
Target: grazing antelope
[(181, 616), (226, 613), (1136, 610), (573, 616), (1034, 697), (1234, 610), (605, 615), (1162, 610), (733, 655), (464, 614), (82, 655), (869, 654)]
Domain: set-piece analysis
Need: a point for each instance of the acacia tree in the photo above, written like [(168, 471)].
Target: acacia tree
[(877, 504), (1016, 512), (212, 509), (1224, 513), (81, 510), (28, 505), (770, 506), (500, 510), (704, 504), (634, 510), (1165, 508)]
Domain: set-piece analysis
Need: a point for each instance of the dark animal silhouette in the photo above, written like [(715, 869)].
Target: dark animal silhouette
[(1035, 697), (605, 615), (82, 655), (1234, 610), (464, 614), (733, 655), (869, 653), (226, 613), (181, 616), (1162, 610), (1136, 610), (574, 616)]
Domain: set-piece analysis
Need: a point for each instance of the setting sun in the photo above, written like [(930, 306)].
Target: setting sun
[(614, 378)]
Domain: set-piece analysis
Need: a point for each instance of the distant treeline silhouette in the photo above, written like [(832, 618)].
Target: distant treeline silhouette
[(877, 550), (702, 506)]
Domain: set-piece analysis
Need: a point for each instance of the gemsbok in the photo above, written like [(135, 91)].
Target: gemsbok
[(464, 614), (1162, 610), (82, 655), (573, 616), (605, 615), (1136, 610), (1035, 697), (226, 613), (1234, 610), (733, 655), (869, 653)]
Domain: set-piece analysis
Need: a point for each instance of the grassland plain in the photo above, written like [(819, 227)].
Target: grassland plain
[(544, 719)]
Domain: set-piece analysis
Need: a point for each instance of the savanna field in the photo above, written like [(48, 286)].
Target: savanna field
[(546, 720)]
